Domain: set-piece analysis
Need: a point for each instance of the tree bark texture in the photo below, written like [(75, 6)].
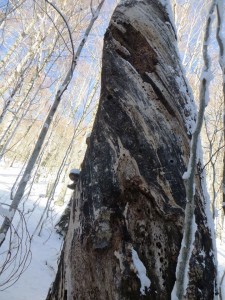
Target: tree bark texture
[(131, 194)]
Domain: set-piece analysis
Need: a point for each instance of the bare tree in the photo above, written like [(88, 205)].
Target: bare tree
[(32, 160), (127, 213)]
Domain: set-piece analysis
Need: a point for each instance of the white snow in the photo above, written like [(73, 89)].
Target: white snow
[(173, 294), (88, 138), (181, 85), (207, 75), (190, 106), (187, 174), (45, 249), (141, 272), (42, 252), (75, 171), (167, 5), (5, 212)]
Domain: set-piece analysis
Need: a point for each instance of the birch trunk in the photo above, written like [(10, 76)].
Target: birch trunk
[(127, 213)]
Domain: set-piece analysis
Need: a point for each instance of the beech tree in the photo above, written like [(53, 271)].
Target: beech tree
[(127, 212)]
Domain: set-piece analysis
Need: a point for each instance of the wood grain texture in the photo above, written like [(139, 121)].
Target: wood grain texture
[(131, 193)]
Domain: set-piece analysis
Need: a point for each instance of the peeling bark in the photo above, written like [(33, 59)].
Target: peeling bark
[(131, 194)]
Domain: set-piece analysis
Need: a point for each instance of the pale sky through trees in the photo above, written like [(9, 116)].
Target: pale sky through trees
[(37, 41)]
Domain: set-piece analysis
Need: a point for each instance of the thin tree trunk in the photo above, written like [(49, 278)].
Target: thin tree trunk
[(127, 213), (190, 228)]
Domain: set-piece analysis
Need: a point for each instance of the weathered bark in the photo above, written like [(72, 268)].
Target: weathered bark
[(131, 194)]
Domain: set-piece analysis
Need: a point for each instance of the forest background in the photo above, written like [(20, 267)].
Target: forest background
[(51, 53)]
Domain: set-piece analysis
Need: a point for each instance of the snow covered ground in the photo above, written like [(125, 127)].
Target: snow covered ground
[(221, 266), (42, 252), (36, 253)]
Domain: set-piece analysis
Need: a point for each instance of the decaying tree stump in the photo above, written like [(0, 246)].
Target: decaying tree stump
[(128, 209)]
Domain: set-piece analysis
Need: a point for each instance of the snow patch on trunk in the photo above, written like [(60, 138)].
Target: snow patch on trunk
[(6, 213), (141, 272), (187, 174), (75, 171)]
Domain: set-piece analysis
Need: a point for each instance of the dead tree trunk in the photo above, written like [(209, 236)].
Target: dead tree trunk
[(128, 209)]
